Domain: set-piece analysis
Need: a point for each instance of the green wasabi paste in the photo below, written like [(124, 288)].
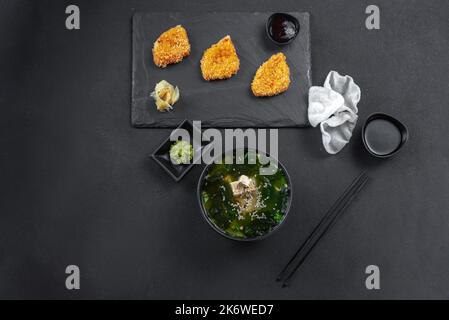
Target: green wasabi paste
[(181, 152)]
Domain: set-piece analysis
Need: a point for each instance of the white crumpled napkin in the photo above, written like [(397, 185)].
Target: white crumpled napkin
[(334, 106)]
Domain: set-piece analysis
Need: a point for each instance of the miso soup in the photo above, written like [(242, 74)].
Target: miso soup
[(242, 203)]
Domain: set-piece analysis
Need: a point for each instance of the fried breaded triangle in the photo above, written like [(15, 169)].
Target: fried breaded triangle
[(171, 47), (220, 61), (272, 77)]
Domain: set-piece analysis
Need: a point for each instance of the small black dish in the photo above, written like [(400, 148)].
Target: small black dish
[(162, 154), (282, 28), (383, 135)]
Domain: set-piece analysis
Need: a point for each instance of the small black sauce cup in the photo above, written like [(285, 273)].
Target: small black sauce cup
[(398, 124), (286, 16)]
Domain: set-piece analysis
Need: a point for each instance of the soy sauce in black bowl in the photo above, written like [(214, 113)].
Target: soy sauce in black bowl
[(384, 135), (282, 28)]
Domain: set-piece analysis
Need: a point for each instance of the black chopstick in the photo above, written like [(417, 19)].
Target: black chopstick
[(328, 213), (321, 229), (326, 228)]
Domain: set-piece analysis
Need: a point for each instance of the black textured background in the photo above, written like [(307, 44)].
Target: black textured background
[(77, 187)]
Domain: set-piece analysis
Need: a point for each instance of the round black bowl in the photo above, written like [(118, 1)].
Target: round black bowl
[(399, 125), (286, 16), (224, 234)]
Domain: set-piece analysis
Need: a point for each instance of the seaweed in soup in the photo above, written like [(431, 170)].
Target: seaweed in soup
[(255, 213)]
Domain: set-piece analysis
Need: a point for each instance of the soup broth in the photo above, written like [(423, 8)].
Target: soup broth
[(251, 214)]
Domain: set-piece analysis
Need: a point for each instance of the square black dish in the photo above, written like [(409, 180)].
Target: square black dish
[(225, 103), (162, 154)]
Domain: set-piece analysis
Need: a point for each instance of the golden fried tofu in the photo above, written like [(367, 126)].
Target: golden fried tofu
[(220, 61), (272, 77), (171, 47)]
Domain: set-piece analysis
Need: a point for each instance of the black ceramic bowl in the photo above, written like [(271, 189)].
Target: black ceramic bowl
[(389, 136), (270, 25), (222, 232)]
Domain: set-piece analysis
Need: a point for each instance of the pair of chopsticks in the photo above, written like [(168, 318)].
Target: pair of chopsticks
[(322, 228)]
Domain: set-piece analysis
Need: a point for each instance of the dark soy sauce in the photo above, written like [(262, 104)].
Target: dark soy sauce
[(282, 28), (382, 136)]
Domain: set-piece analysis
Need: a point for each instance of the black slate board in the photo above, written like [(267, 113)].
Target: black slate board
[(225, 103)]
